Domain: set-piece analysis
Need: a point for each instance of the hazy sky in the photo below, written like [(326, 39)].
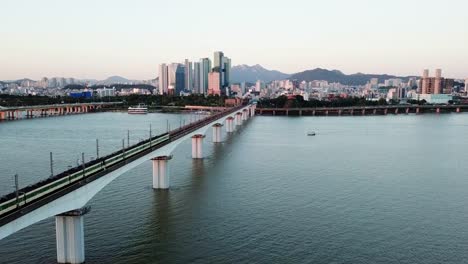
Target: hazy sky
[(100, 38)]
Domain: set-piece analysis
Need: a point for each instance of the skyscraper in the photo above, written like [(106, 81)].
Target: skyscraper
[(218, 59), (163, 79), (176, 78), (222, 65), (205, 68), (196, 77), (214, 87), (188, 75)]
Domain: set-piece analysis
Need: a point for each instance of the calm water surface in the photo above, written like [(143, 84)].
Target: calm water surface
[(384, 189)]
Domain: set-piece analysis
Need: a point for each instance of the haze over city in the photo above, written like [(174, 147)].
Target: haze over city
[(97, 39)]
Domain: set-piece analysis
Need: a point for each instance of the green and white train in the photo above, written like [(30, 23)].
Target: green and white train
[(64, 179)]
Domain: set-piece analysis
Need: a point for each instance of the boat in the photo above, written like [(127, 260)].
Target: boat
[(311, 133), (139, 109)]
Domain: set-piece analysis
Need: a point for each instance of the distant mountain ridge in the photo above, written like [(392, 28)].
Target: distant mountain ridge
[(246, 73), (338, 76)]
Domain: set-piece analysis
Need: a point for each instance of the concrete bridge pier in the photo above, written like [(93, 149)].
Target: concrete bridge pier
[(245, 115), (407, 110), (396, 111), (239, 119), (458, 110), (385, 111), (230, 124), (161, 172), (197, 146), (217, 132), (374, 111), (70, 236)]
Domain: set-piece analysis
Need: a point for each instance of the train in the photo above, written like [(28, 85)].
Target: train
[(34, 192)]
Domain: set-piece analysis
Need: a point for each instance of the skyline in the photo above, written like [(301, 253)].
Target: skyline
[(392, 37)]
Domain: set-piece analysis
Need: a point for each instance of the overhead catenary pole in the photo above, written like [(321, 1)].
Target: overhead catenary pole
[(51, 165), (83, 163), (123, 148), (128, 138), (97, 148), (17, 189), (150, 136)]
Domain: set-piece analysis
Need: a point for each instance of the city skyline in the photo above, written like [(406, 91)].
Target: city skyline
[(53, 38)]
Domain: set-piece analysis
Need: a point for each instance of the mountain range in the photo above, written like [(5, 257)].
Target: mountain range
[(245, 73), (338, 76), (250, 74)]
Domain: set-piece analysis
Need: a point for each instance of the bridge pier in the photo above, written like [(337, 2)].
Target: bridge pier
[(161, 172), (458, 110), (239, 119), (197, 146), (245, 115), (230, 124), (217, 133), (70, 236), (407, 110)]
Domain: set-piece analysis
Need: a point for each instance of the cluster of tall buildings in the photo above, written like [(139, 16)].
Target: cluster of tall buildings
[(202, 77), (435, 85)]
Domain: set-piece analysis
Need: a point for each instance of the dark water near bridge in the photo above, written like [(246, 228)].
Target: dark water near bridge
[(383, 189)]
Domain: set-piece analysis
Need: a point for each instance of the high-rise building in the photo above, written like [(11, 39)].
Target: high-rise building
[(163, 79), (205, 68), (188, 75), (222, 65), (176, 78), (218, 59), (214, 87), (196, 77), (226, 71), (435, 85)]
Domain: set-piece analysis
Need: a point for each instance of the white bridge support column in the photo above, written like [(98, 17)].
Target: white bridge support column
[(245, 115), (217, 133), (230, 124), (239, 119), (252, 110), (197, 146), (70, 236), (161, 172)]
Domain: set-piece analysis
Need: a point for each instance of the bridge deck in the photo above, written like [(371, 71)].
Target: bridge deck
[(15, 205)]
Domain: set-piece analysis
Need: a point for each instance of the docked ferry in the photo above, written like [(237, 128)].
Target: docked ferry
[(139, 109)]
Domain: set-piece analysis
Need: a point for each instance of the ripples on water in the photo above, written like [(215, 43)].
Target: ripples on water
[(385, 189)]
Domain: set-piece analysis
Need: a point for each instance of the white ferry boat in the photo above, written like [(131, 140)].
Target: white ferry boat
[(139, 109)]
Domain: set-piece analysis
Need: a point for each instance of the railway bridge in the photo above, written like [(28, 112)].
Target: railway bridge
[(65, 195)]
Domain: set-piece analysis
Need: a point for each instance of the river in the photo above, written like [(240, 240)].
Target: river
[(373, 189)]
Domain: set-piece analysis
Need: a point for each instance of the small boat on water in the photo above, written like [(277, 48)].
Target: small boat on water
[(311, 133), (139, 109)]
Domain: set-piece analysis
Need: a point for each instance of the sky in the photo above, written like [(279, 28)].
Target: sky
[(96, 39)]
